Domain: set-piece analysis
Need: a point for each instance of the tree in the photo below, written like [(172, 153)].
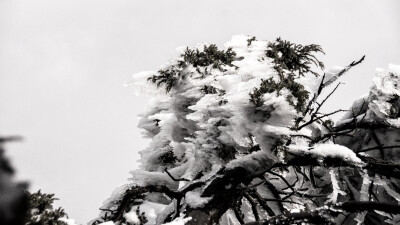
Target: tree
[(41, 210), (238, 137), (18, 206), (13, 201)]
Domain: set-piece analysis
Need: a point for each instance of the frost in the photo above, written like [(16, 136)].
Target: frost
[(365, 186), (179, 221), (390, 191), (335, 188), (206, 124), (384, 101), (335, 150), (140, 84), (107, 223), (360, 218), (132, 217), (142, 178), (151, 211), (363, 196), (332, 74), (229, 218), (68, 221), (194, 200), (394, 221)]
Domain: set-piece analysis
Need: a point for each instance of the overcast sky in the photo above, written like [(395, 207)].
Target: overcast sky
[(63, 65)]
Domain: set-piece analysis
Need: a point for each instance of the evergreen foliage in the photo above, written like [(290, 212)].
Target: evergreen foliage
[(210, 56), (394, 108), (226, 153), (250, 40), (133, 197), (141, 216), (291, 61), (217, 157), (168, 158), (268, 86), (13, 201), (41, 211), (294, 57)]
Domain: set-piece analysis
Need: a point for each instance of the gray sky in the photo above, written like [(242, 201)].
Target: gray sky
[(63, 65)]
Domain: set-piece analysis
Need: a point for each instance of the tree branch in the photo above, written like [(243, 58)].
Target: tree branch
[(326, 214)]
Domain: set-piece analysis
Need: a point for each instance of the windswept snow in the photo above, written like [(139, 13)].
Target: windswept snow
[(207, 122)]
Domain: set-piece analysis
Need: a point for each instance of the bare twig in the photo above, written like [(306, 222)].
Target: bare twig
[(347, 68), (173, 178), (378, 147)]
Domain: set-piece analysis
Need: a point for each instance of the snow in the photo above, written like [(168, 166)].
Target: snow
[(194, 200), (394, 221), (384, 91), (179, 221), (107, 223), (195, 126), (140, 84), (177, 125), (132, 217), (360, 217), (336, 151), (143, 178), (365, 186), (229, 218), (68, 221), (326, 150), (388, 190), (151, 211), (335, 187)]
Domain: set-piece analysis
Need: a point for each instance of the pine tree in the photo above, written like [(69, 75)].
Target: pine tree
[(13, 201), (239, 137), (41, 210), (17, 205)]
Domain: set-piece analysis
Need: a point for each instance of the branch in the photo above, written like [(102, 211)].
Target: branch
[(173, 178), (323, 85), (378, 147), (238, 214), (314, 114), (382, 167), (314, 117), (136, 193), (253, 205), (347, 68), (324, 214), (263, 202), (284, 180), (10, 138)]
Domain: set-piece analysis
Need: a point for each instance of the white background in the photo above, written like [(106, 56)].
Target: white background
[(63, 65)]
